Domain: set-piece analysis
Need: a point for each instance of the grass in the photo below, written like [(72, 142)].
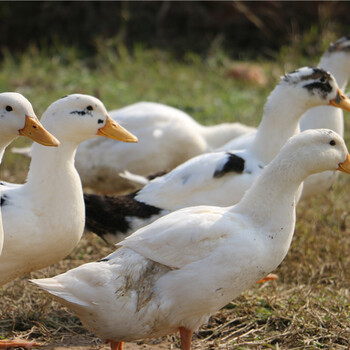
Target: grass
[(306, 308), (119, 78)]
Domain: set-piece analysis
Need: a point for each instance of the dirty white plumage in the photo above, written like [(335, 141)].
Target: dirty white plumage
[(176, 272)]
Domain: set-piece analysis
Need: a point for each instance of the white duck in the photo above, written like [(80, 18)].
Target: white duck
[(43, 219), (167, 138), (176, 272), (17, 118), (335, 60), (218, 178)]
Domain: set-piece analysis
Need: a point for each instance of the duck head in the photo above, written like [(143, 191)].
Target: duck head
[(17, 117), (318, 86), (78, 117)]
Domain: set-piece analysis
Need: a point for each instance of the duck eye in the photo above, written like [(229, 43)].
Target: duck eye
[(323, 79), (332, 143), (89, 108), (9, 108)]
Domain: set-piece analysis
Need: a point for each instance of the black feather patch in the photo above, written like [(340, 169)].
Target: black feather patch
[(324, 87), (103, 260), (157, 174), (317, 74), (234, 164), (3, 200), (108, 214), (78, 112)]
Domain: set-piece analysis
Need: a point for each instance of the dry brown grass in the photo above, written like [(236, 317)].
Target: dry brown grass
[(306, 308)]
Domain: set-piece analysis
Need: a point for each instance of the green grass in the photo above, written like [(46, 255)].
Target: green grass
[(307, 308), (198, 86)]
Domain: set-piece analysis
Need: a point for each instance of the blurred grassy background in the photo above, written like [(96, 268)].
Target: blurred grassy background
[(183, 54), (177, 53)]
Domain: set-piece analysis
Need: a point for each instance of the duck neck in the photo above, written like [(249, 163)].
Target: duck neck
[(271, 200), (52, 168), (4, 142), (284, 112)]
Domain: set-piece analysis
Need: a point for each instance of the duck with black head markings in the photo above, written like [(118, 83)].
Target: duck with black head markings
[(335, 60), (176, 272), (218, 178), (43, 219)]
